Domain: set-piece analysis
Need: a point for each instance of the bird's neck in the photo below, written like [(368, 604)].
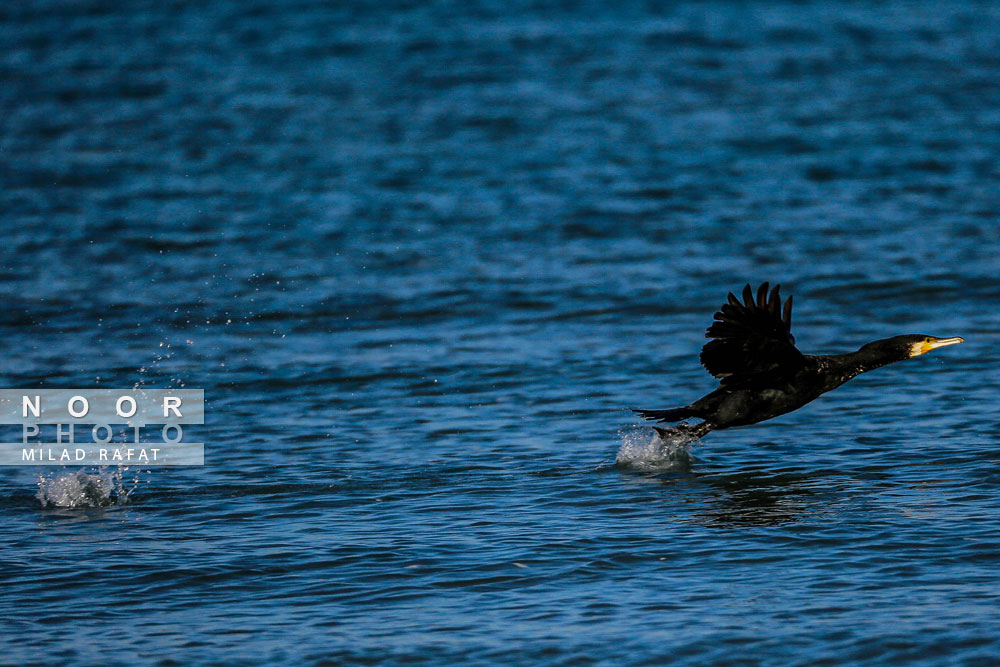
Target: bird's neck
[(850, 365)]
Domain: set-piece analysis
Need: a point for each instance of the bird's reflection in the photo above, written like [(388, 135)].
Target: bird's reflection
[(744, 493), (758, 498)]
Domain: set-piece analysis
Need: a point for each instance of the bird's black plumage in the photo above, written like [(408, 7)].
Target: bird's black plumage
[(763, 375)]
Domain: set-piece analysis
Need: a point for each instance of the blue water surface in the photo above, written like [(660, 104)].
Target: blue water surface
[(422, 257)]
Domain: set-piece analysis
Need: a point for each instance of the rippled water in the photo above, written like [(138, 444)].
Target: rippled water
[(422, 258)]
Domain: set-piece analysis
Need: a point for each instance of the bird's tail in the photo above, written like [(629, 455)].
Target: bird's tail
[(672, 415)]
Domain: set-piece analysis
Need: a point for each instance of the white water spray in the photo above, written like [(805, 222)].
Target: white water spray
[(77, 489), (645, 449)]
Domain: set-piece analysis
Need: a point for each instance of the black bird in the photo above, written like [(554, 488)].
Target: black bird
[(764, 375)]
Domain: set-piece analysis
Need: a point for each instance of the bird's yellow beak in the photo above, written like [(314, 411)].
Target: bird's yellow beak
[(929, 344)]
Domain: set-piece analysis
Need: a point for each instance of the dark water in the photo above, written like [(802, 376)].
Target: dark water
[(422, 257)]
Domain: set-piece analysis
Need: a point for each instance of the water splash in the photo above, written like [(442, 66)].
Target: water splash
[(107, 486), (78, 489), (645, 449)]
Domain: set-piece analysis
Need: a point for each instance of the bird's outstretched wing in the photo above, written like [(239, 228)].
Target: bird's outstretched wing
[(752, 341)]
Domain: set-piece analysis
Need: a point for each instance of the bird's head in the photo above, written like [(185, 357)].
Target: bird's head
[(898, 348)]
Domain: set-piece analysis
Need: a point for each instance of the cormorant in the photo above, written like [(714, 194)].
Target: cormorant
[(764, 375)]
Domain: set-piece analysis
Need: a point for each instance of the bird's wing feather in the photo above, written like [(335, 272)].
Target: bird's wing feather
[(752, 340)]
